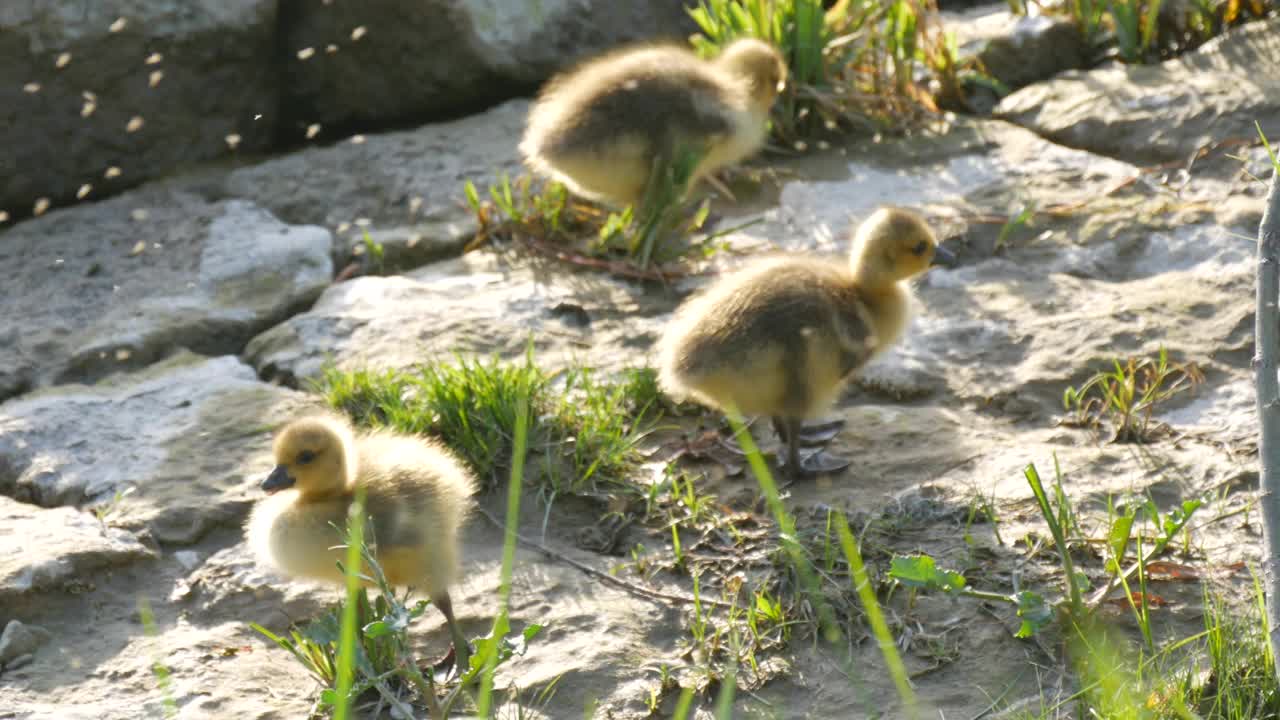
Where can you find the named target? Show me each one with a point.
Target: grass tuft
(1126, 397)
(587, 428)
(856, 65)
(543, 218)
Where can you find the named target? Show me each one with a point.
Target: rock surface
(73, 76)
(405, 60)
(49, 549)
(1016, 50)
(19, 640)
(396, 186)
(98, 98)
(1109, 261)
(165, 270)
(1160, 113)
(192, 436)
(475, 304)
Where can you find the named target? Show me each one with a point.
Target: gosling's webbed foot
(823, 463)
(815, 465)
(819, 434)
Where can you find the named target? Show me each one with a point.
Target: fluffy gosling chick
(605, 126)
(417, 495)
(783, 335)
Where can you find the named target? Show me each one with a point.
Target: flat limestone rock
(1022, 331)
(408, 182)
(478, 304)
(165, 269)
(44, 549)
(1014, 49)
(190, 435)
(232, 584)
(143, 86)
(1158, 113)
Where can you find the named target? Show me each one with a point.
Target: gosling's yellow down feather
(417, 495)
(602, 127)
(782, 336)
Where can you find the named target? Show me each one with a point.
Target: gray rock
(232, 585)
(188, 559)
(401, 184)
(216, 58)
(165, 270)
(1027, 335)
(1016, 50)
(475, 304)
(1157, 113)
(192, 436)
(20, 662)
(19, 639)
(413, 60)
(44, 549)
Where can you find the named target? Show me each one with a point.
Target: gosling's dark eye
(305, 457)
(920, 247)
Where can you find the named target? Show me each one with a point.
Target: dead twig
(606, 577)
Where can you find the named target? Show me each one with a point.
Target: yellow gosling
(417, 495)
(782, 336)
(602, 128)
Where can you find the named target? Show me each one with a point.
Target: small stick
(631, 587)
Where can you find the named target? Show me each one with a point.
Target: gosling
(606, 126)
(417, 495)
(782, 336)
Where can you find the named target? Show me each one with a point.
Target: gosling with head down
(417, 495)
(604, 127)
(782, 336)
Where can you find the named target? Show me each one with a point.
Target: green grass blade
(158, 668)
(347, 637)
(1275, 163)
(1059, 538)
(875, 617)
(684, 705)
(786, 527)
(514, 486)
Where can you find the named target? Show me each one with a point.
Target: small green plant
(546, 219)
(1127, 396)
(1060, 522)
(532, 211)
(1014, 222)
(375, 252)
(105, 510)
(921, 572)
(163, 676)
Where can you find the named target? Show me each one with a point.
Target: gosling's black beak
(279, 479)
(943, 257)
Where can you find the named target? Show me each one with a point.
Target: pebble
(19, 639)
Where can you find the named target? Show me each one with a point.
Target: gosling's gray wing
(396, 520)
(856, 337)
(661, 109)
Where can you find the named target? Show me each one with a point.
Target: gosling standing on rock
(605, 126)
(782, 336)
(417, 495)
